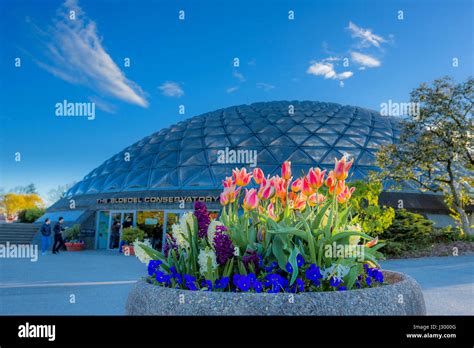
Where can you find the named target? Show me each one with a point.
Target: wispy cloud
(171, 89)
(239, 76)
(365, 60)
(74, 53)
(365, 36)
(327, 70)
(232, 89)
(265, 86)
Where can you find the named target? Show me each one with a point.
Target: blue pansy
(342, 288)
(222, 283)
(368, 280)
(257, 286)
(313, 273)
(153, 265)
(162, 277)
(300, 260)
(334, 281)
(207, 284)
(272, 266)
(289, 267)
(300, 285)
(243, 283)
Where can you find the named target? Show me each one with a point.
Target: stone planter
(402, 296)
(74, 246)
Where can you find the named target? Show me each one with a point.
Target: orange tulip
(330, 181)
(241, 177)
(231, 193)
(372, 242)
(286, 170)
(250, 199)
(345, 195)
(341, 168)
(296, 185)
(300, 203)
(315, 199)
(266, 192)
(316, 178)
(258, 176)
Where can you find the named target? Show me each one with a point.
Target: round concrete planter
(402, 296)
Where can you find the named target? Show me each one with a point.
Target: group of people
(46, 235)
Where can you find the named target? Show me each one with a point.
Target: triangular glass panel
(216, 141)
(329, 158)
(187, 172)
(298, 129)
(138, 179)
(329, 138)
(298, 138)
(281, 153)
(265, 157)
(202, 179)
(190, 158)
(192, 143)
(366, 159)
(316, 153)
(282, 141)
(144, 161)
(115, 182)
(251, 141)
(299, 157)
(165, 179)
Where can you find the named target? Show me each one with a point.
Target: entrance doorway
(110, 225)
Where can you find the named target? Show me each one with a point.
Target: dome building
(150, 183)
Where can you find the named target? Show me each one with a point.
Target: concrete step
(19, 233)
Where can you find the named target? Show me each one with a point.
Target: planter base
(402, 296)
(74, 246)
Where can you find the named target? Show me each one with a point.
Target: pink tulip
(316, 178)
(229, 181)
(266, 192)
(241, 177)
(271, 211)
(258, 176)
(224, 199)
(305, 188)
(346, 194)
(341, 168)
(250, 200)
(300, 203)
(286, 170)
(315, 199)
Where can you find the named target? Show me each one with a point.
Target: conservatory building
(150, 183)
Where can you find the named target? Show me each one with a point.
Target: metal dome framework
(185, 156)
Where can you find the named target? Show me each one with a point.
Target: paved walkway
(99, 282)
(447, 282)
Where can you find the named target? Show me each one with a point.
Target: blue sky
(190, 63)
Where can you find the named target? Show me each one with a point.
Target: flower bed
(280, 236)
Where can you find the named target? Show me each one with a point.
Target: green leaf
(290, 230)
(279, 253)
(352, 275)
(317, 220)
(294, 264)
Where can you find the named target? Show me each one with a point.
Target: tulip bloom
(330, 181)
(315, 199)
(372, 242)
(341, 168)
(280, 187)
(271, 211)
(316, 178)
(286, 170)
(340, 186)
(241, 177)
(266, 192)
(250, 200)
(300, 203)
(224, 198)
(231, 193)
(229, 181)
(345, 195)
(296, 185)
(258, 176)
(305, 188)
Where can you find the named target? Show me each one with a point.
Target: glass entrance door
(118, 221)
(103, 220)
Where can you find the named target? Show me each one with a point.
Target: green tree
(435, 149)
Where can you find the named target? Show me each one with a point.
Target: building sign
(173, 199)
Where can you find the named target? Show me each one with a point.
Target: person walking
(115, 235)
(45, 236)
(58, 236)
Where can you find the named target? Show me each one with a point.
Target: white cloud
(75, 54)
(232, 89)
(366, 37)
(171, 89)
(365, 60)
(327, 71)
(265, 86)
(239, 76)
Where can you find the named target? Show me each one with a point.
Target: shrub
(373, 218)
(131, 234)
(30, 215)
(72, 234)
(409, 231)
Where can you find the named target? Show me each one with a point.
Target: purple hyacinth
(252, 257)
(202, 216)
(223, 246)
(170, 243)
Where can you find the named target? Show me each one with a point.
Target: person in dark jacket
(45, 236)
(115, 234)
(58, 236)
